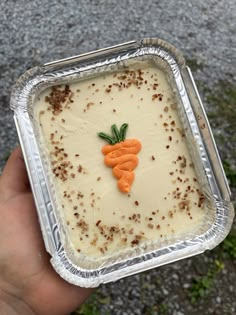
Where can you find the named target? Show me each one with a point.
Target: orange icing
(122, 157)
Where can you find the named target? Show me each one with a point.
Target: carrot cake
(119, 161)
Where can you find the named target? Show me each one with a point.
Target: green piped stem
(117, 135)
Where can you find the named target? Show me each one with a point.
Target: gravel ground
(35, 32)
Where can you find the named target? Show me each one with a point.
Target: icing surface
(164, 199)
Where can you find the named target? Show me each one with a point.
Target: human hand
(28, 283)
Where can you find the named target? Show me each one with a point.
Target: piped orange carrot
(120, 154)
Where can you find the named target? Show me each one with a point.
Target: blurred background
(38, 31)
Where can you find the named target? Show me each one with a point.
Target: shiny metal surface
(200, 142)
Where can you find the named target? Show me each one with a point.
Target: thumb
(14, 179)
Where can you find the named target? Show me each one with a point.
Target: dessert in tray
(123, 166)
(118, 159)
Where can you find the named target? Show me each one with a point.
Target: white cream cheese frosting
(164, 198)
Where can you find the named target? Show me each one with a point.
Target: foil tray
(200, 142)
